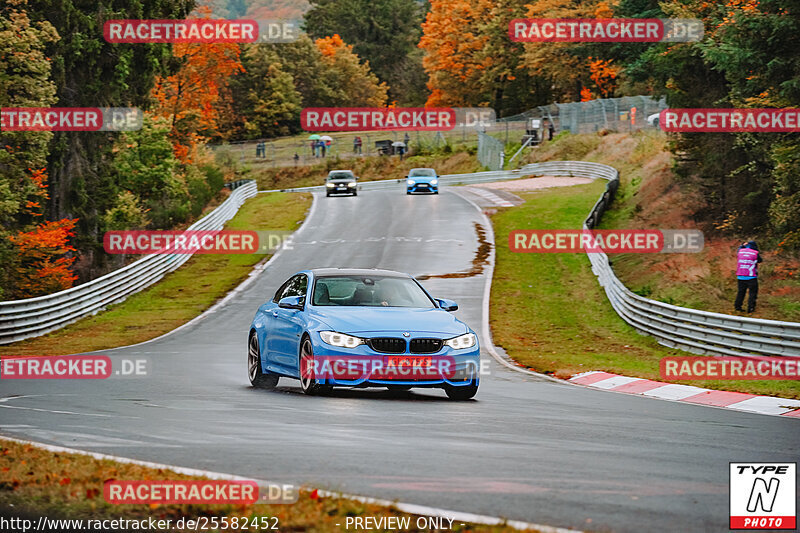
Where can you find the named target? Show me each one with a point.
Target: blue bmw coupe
(361, 328)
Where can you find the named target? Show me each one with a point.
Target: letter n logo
(763, 495)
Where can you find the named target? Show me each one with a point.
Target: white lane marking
(616, 381)
(94, 441)
(674, 392)
(766, 405)
(490, 197)
(54, 411)
(405, 507)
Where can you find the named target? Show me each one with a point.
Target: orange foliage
(39, 179)
(452, 40)
(328, 46)
(43, 266)
(603, 75)
(192, 97)
(586, 94)
(603, 11)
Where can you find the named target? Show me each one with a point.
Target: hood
(360, 320)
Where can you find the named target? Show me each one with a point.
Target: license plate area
(409, 361)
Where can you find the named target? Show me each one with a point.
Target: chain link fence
(491, 151)
(629, 113)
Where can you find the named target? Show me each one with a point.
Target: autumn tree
(265, 100)
(191, 98)
(43, 265)
(349, 81)
(32, 257)
(383, 33)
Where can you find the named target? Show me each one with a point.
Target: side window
(280, 290)
(296, 286)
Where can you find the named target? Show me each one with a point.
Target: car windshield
(366, 291)
(341, 176)
(422, 173)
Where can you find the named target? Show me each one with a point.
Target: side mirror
(291, 302)
(447, 305)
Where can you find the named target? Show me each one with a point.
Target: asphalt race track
(525, 448)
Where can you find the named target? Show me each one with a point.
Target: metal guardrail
(692, 330)
(31, 317)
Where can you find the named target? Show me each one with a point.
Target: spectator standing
(748, 258)
(357, 145)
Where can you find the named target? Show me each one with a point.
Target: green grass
(550, 314)
(179, 296)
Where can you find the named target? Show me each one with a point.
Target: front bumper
(422, 187)
(369, 368)
(340, 188)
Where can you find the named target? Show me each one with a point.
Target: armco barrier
(22, 319)
(695, 331)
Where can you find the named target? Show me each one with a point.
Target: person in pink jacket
(747, 262)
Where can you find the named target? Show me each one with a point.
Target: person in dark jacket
(747, 262)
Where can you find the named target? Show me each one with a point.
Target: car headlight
(340, 339)
(467, 340)
(330, 185)
(411, 182)
(434, 182)
(351, 184)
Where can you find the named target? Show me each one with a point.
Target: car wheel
(328, 194)
(461, 393)
(306, 366)
(408, 192)
(355, 193)
(257, 376)
(435, 192)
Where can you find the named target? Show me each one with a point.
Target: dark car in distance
(341, 182)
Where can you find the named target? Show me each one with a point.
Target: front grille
(387, 344)
(426, 345)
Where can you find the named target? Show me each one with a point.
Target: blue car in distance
(361, 328)
(422, 180)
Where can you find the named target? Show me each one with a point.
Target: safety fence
(22, 319)
(491, 152)
(692, 330)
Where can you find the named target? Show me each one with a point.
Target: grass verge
(179, 296)
(37, 482)
(650, 196)
(550, 314)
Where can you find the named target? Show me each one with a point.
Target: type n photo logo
(763, 496)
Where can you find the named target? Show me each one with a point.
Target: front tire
(258, 378)
(306, 370)
(461, 393)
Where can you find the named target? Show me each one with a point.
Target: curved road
(525, 449)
